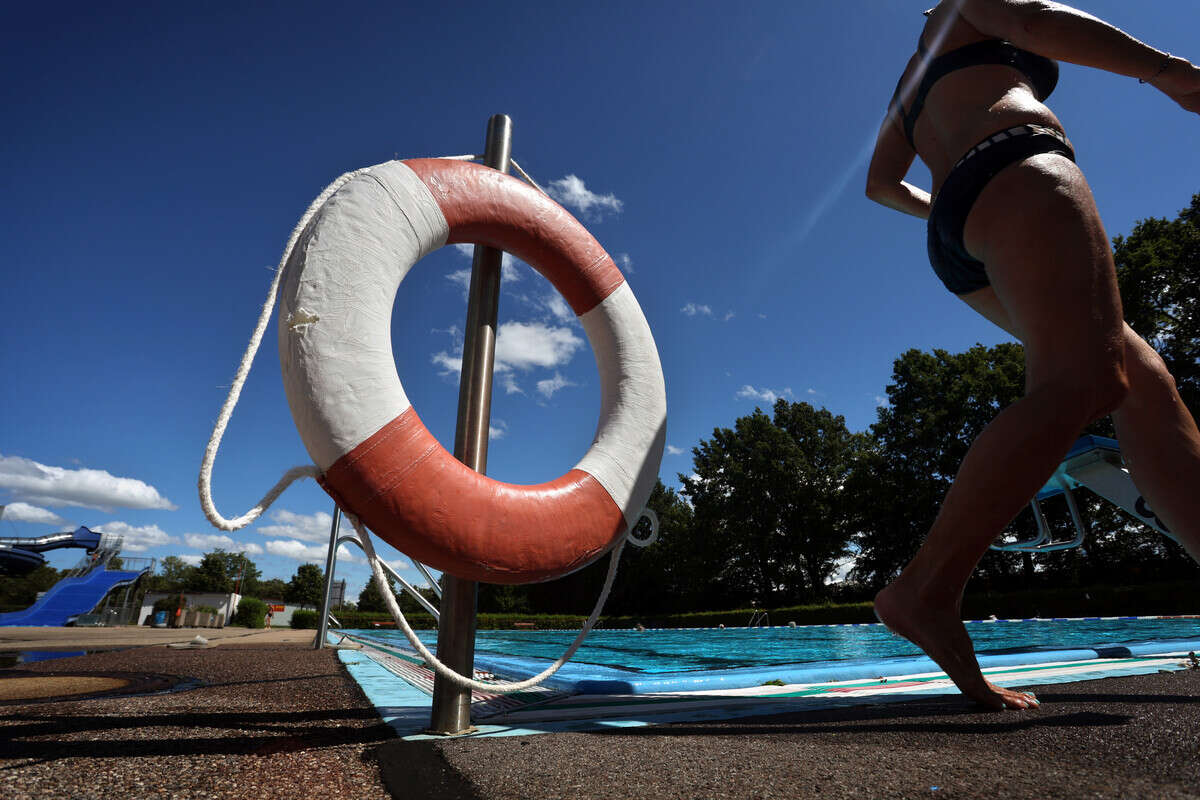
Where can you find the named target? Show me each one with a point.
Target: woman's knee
(1088, 392)
(1149, 378)
(1111, 388)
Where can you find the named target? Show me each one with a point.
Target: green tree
(770, 515)
(1158, 270)
(224, 572)
(307, 586)
(937, 404)
(661, 578)
(20, 591)
(272, 588)
(173, 575)
(370, 598)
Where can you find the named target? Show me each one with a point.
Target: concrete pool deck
(264, 716)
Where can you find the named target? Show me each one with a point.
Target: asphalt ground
(264, 716)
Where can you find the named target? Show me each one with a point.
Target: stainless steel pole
(451, 712)
(330, 563)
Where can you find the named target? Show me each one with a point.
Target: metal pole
(330, 562)
(451, 712)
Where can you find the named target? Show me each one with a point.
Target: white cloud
(208, 541)
(137, 537)
(217, 541)
(314, 554)
(524, 345)
(551, 385)
(497, 429)
(764, 394)
(571, 191)
(841, 569)
(728, 316)
(880, 400)
(309, 527)
(624, 262)
(87, 488)
(509, 382)
(672, 450)
(508, 267)
(191, 559)
(692, 309)
(449, 365)
(462, 277)
(559, 309)
(23, 512)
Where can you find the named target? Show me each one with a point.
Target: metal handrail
(1043, 542)
(335, 541)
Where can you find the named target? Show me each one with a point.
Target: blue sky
(156, 157)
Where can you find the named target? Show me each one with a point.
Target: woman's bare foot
(942, 635)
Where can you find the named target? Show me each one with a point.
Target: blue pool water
(706, 649)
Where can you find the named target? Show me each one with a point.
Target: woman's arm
(885, 177)
(1064, 33)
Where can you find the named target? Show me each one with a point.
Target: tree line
(222, 572)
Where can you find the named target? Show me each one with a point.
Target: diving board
(1093, 462)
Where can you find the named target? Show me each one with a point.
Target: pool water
(704, 649)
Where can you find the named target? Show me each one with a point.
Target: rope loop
(204, 483)
(645, 541)
(462, 681)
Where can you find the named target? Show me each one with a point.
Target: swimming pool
(699, 658)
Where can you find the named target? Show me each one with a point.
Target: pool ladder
(1093, 462)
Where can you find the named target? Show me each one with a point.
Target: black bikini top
(1041, 71)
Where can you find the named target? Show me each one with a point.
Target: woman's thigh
(1036, 228)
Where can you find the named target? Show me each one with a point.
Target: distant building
(225, 604)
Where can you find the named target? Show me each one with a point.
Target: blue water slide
(71, 597)
(21, 555)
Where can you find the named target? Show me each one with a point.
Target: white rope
(512, 161)
(214, 442)
(525, 175)
(449, 674)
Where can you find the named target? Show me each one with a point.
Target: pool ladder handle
(1100, 470)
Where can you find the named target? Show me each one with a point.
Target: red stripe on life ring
(485, 206)
(416, 496)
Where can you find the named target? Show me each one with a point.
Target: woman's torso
(966, 105)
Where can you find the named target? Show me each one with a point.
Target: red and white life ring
(377, 459)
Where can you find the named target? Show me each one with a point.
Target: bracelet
(1166, 63)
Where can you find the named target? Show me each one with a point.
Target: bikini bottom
(959, 271)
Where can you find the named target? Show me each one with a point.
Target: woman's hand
(1180, 81)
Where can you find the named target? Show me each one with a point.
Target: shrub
(251, 613)
(305, 618)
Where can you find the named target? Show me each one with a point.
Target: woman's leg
(1160, 443)
(1037, 228)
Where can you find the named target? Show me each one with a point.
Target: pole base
(463, 732)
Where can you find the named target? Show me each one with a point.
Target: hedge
(305, 618)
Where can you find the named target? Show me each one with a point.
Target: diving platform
(1093, 462)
